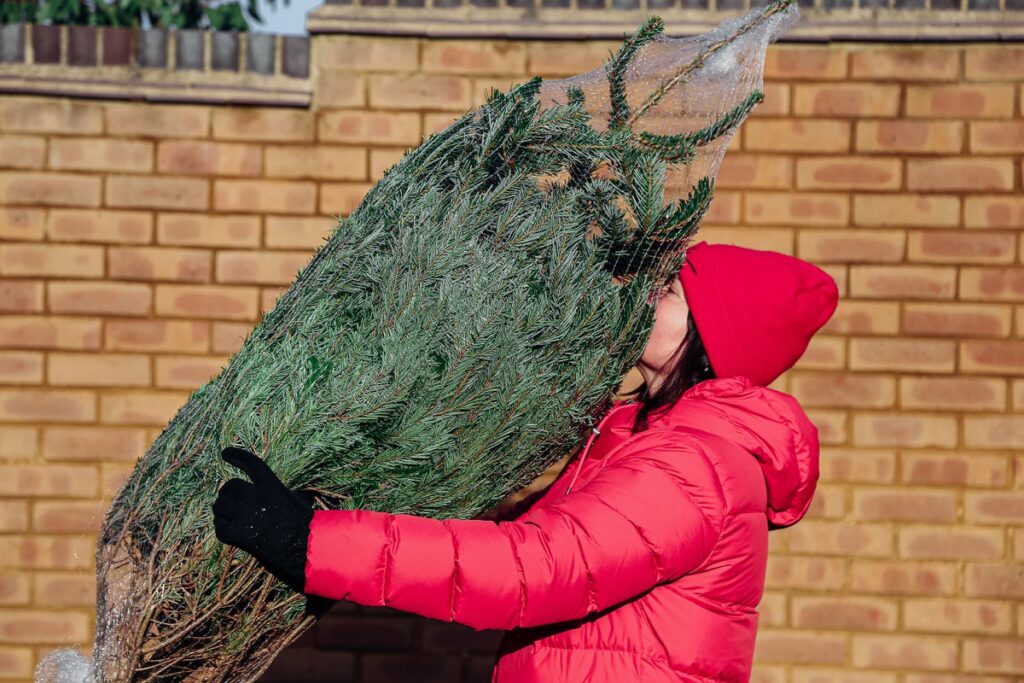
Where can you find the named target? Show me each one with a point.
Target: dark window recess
(190, 52)
(46, 43)
(117, 45)
(12, 43)
(224, 51)
(295, 56)
(82, 45)
(153, 48)
(260, 57)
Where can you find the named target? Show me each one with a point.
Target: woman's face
(669, 326)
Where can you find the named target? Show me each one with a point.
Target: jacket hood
(771, 426)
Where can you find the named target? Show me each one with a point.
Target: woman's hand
(264, 518)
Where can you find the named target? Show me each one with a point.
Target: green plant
(201, 14)
(456, 335)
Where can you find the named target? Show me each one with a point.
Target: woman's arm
(652, 515)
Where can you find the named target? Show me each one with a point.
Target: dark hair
(690, 359)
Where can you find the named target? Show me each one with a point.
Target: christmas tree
(454, 337)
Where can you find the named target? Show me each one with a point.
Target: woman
(645, 560)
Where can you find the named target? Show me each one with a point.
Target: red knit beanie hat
(755, 310)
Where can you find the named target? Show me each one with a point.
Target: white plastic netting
(683, 86)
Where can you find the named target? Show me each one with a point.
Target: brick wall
(139, 242)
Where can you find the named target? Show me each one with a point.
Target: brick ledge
(575, 24)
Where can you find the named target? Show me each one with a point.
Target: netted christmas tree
(453, 338)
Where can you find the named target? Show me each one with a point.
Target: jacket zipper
(595, 431)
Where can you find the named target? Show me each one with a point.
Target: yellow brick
(263, 125)
(992, 284)
(264, 196)
(140, 407)
(381, 160)
(22, 151)
(21, 223)
(920, 282)
(202, 157)
(260, 268)
(352, 53)
(99, 370)
(755, 171)
(960, 101)
(816, 537)
(298, 232)
(91, 443)
(800, 62)
(960, 174)
(797, 135)
(997, 137)
(202, 301)
(47, 405)
(954, 246)
(910, 63)
(1002, 357)
(482, 87)
(158, 120)
(99, 225)
(421, 91)
(158, 192)
(39, 626)
(906, 210)
(187, 372)
(846, 99)
(159, 263)
(993, 62)
(101, 154)
(177, 336)
(21, 367)
(330, 162)
(994, 211)
(990, 655)
(49, 332)
(793, 208)
(848, 173)
(902, 355)
(956, 319)
(205, 230)
(864, 317)
(459, 56)
(49, 189)
(367, 127)
(18, 442)
(21, 296)
(51, 260)
(76, 517)
(906, 430)
(554, 59)
(43, 115)
(952, 393)
(848, 246)
(905, 135)
(342, 198)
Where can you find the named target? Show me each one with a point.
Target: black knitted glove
(265, 518)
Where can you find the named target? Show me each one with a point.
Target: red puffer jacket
(650, 569)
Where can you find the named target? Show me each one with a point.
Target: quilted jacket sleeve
(650, 516)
